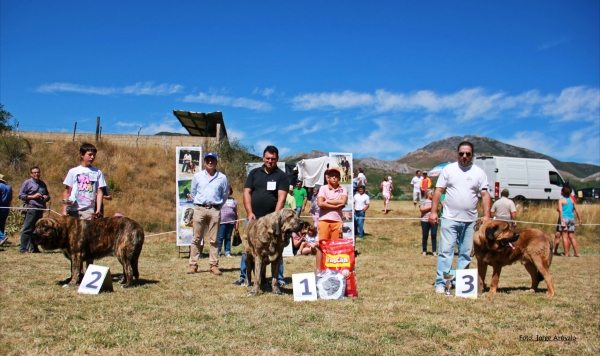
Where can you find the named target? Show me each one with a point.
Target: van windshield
(555, 179)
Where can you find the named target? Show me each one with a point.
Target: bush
(13, 151)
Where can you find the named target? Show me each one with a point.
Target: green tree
(5, 117)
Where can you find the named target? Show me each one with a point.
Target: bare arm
(248, 204)
(99, 198)
(433, 216)
(577, 213)
(513, 215)
(281, 195)
(65, 196)
(486, 201)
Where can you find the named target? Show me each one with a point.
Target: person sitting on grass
(310, 243)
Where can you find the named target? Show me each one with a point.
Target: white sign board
(343, 162)
(188, 162)
(96, 278)
(305, 287)
(466, 283)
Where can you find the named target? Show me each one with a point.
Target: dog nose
(516, 235)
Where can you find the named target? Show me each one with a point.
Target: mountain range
(444, 150)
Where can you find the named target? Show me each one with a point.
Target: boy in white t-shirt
(83, 193)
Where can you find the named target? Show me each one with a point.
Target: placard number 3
(470, 280)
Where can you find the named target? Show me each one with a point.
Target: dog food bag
(338, 255)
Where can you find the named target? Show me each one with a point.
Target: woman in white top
(386, 189)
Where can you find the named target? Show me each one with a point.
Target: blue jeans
(298, 210)
(3, 217)
(225, 231)
(451, 233)
(425, 227)
(243, 268)
(359, 219)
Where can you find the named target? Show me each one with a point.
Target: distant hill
(444, 150)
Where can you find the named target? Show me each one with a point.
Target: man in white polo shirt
(416, 184)
(361, 204)
(462, 181)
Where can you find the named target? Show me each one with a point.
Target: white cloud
(211, 98)
(385, 139)
(150, 128)
(235, 134)
(137, 89)
(574, 103)
(267, 92)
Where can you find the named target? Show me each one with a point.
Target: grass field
(396, 313)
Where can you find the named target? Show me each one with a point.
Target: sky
(377, 79)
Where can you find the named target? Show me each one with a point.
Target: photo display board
(188, 162)
(343, 162)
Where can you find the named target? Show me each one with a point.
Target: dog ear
(490, 232)
(276, 227)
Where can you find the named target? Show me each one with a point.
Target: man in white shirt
(361, 204)
(462, 181)
(416, 184)
(505, 209)
(209, 190)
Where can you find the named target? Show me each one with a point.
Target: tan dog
(497, 244)
(264, 241)
(82, 240)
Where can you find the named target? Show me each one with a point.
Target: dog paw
(66, 286)
(251, 294)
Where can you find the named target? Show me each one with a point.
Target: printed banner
(343, 162)
(188, 162)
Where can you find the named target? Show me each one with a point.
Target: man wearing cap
(5, 200)
(504, 209)
(265, 191)
(209, 191)
(35, 193)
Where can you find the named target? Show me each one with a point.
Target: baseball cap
(334, 169)
(424, 172)
(210, 154)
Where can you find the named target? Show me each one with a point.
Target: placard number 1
(305, 286)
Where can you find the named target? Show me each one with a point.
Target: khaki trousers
(206, 224)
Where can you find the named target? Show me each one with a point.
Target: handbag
(237, 240)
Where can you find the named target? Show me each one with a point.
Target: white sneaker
(440, 290)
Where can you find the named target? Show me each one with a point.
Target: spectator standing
(504, 209)
(35, 193)
(361, 204)
(5, 200)
(362, 179)
(300, 195)
(558, 234)
(425, 184)
(209, 190)
(462, 181)
(314, 206)
(566, 213)
(386, 189)
(264, 192)
(332, 199)
(416, 184)
(229, 222)
(426, 226)
(290, 201)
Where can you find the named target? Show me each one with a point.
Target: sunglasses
(468, 154)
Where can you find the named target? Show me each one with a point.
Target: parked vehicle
(525, 178)
(588, 195)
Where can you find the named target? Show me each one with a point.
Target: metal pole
(97, 127)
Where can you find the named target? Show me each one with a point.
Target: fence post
(97, 127)
(165, 142)
(74, 130)
(138, 137)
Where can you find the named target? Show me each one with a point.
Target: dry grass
(397, 311)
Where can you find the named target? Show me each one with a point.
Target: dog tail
(539, 275)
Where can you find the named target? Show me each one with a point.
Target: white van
(525, 178)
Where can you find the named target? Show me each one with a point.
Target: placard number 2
(91, 284)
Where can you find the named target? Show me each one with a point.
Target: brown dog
(497, 244)
(264, 241)
(82, 240)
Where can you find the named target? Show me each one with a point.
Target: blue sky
(378, 79)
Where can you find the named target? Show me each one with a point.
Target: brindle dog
(264, 241)
(82, 240)
(497, 244)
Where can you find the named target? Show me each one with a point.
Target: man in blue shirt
(209, 191)
(5, 200)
